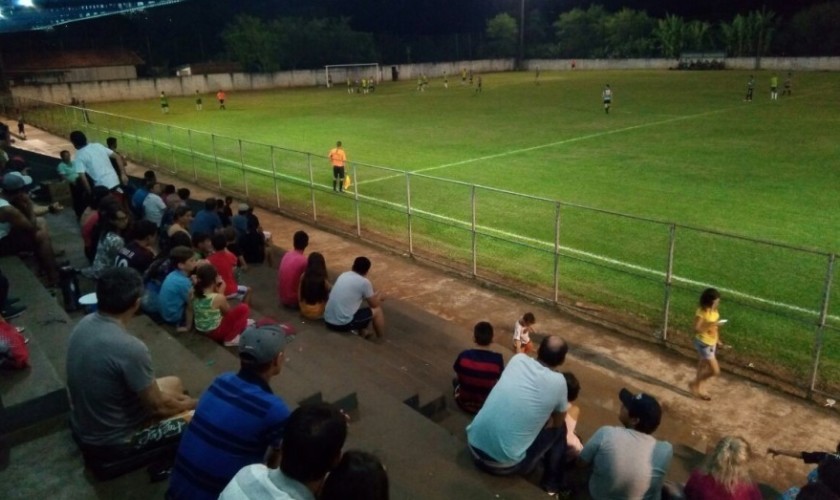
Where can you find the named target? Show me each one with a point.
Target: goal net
(338, 74)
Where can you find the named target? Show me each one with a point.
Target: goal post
(340, 73)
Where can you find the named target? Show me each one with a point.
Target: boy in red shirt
(225, 262)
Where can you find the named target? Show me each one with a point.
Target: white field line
(500, 232)
(586, 137)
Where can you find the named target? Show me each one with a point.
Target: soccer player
(750, 87)
(537, 75)
(774, 85)
(478, 85)
(220, 96)
(463, 76)
(606, 95)
(337, 158)
(787, 90)
(164, 103)
(445, 80)
(198, 104)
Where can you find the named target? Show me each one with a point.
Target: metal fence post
(312, 187)
(172, 149)
(356, 203)
(242, 166)
(216, 160)
(818, 339)
(137, 139)
(556, 252)
(154, 147)
(474, 236)
(192, 155)
(669, 274)
(274, 176)
(408, 213)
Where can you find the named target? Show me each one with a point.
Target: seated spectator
(212, 314)
(522, 331)
(68, 172)
(115, 399)
(220, 211)
(108, 234)
(9, 307)
(202, 245)
(234, 248)
(254, 245)
(240, 220)
(344, 313)
(627, 462)
(311, 447)
(141, 249)
(573, 444)
(724, 475)
(206, 221)
(314, 288)
(226, 434)
(225, 263)
(181, 219)
(477, 370)
(176, 291)
(156, 274)
(815, 491)
(140, 194)
(21, 232)
(509, 435)
(184, 196)
(14, 354)
(290, 270)
(170, 197)
(359, 476)
(227, 211)
(153, 205)
(808, 457)
(90, 218)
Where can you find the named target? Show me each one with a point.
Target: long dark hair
(313, 288)
(205, 277)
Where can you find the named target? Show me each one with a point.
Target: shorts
(704, 350)
(18, 241)
(241, 290)
(360, 321)
(338, 172)
(526, 348)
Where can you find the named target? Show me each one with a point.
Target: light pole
(521, 34)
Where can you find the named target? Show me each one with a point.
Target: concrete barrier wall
(149, 88)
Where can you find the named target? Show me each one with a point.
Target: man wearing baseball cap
(238, 422)
(627, 462)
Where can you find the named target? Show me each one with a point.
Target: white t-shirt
(95, 160)
(258, 482)
(517, 409)
(521, 333)
(626, 464)
(153, 208)
(5, 227)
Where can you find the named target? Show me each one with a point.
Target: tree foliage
(628, 33)
(670, 33)
(502, 35)
(814, 31)
(580, 33)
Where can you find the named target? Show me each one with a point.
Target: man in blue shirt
(238, 422)
(206, 221)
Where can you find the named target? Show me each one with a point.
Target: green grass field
(677, 147)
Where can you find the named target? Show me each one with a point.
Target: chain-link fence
(641, 274)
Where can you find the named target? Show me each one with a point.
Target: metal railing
(640, 273)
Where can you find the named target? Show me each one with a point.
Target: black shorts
(338, 172)
(360, 321)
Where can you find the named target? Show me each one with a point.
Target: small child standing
(522, 330)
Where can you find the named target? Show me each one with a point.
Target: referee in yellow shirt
(337, 158)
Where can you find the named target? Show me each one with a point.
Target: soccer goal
(340, 73)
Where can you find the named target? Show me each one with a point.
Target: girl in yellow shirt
(706, 341)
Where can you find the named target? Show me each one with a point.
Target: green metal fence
(783, 323)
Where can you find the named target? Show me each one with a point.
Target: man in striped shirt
(477, 370)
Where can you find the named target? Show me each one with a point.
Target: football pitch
(676, 147)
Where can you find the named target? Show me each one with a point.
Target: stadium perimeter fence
(639, 275)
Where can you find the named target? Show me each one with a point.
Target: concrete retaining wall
(149, 88)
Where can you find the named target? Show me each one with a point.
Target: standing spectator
(220, 96)
(211, 311)
(337, 158)
(627, 462)
(290, 270)
(706, 341)
(21, 124)
(108, 235)
(225, 263)
(227, 433)
(311, 447)
(522, 331)
(153, 205)
(176, 290)
(94, 159)
(111, 142)
(68, 172)
(344, 312)
(724, 475)
(140, 251)
(206, 221)
(359, 476)
(314, 287)
(113, 390)
(510, 435)
(477, 370)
